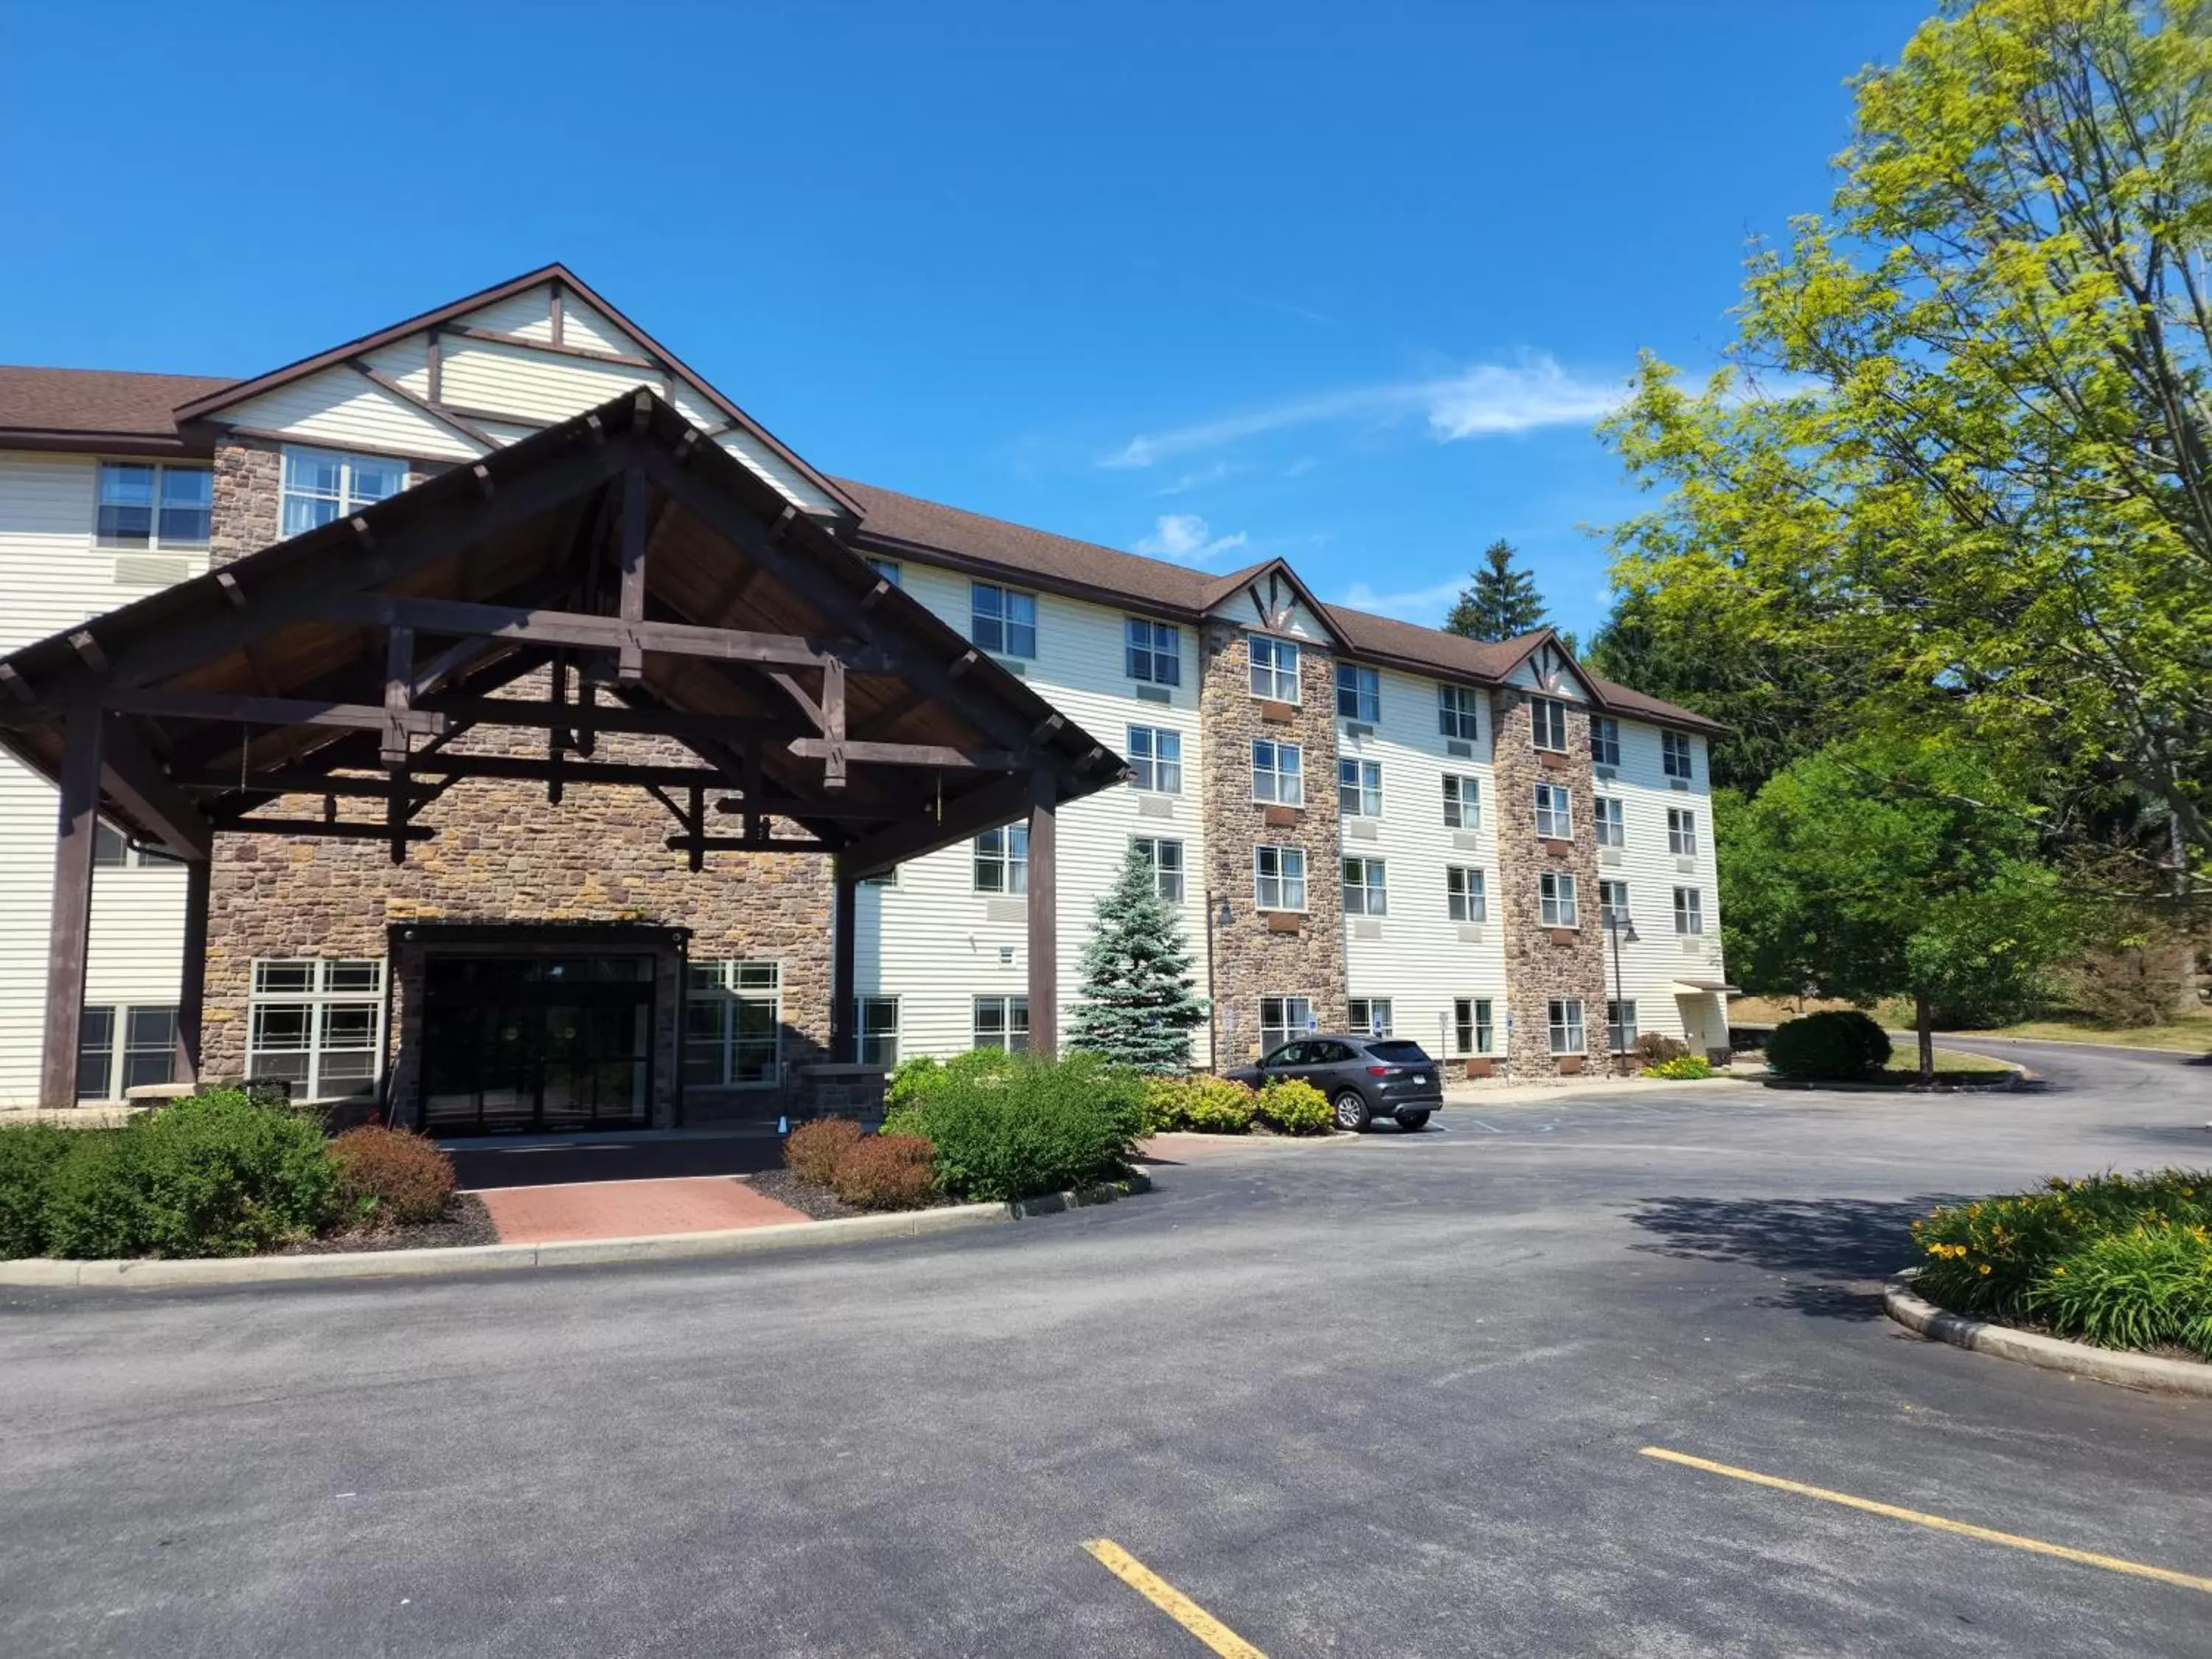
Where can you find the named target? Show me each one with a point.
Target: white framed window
(876, 1025)
(1471, 1032)
(1681, 832)
(1555, 812)
(1279, 877)
(147, 506)
(1370, 1016)
(1612, 903)
(1620, 1026)
(1555, 892)
(1566, 1022)
(1152, 651)
(1273, 666)
(1359, 693)
(1674, 754)
(1166, 857)
(1002, 1023)
(317, 1024)
(1366, 893)
(1462, 802)
(1605, 740)
(1611, 827)
(1359, 788)
(888, 569)
(1277, 772)
(1002, 620)
(112, 850)
(1002, 860)
(1282, 1019)
(1465, 893)
(1689, 911)
(323, 484)
(1548, 724)
(734, 1026)
(1456, 712)
(1155, 760)
(119, 1048)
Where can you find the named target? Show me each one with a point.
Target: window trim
(1683, 831)
(1153, 857)
(1281, 878)
(1564, 1015)
(348, 499)
(1005, 620)
(1620, 1036)
(1472, 895)
(1362, 795)
(1609, 820)
(1606, 909)
(1006, 1010)
(1459, 711)
(318, 1000)
(1285, 1031)
(1562, 906)
(1276, 747)
(1012, 859)
(1673, 742)
(728, 997)
(1605, 740)
(1366, 690)
(863, 1036)
(1476, 1036)
(1150, 655)
(1553, 710)
(1462, 801)
(1275, 669)
(1374, 885)
(1352, 1022)
(155, 542)
(1561, 815)
(1690, 912)
(1153, 760)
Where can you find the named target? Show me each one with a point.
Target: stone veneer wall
(246, 513)
(1250, 960)
(1537, 969)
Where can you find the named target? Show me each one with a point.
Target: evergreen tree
(1500, 603)
(1138, 1005)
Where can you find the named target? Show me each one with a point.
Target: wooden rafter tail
(399, 694)
(630, 663)
(833, 724)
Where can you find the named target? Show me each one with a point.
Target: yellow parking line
(1170, 1600)
(2111, 1563)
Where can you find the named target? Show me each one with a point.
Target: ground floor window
(317, 1026)
(876, 1023)
(734, 1026)
(1567, 1025)
(1471, 1027)
(1620, 1026)
(1371, 1015)
(1002, 1023)
(1282, 1019)
(122, 1048)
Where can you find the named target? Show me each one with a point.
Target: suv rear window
(1399, 1054)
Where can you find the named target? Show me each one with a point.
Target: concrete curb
(2020, 1078)
(2130, 1370)
(156, 1274)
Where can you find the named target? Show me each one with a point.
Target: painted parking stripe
(1964, 1529)
(1170, 1600)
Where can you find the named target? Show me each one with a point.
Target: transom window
(1156, 759)
(1681, 832)
(1674, 754)
(1153, 651)
(1555, 812)
(1472, 1030)
(322, 485)
(734, 1026)
(1457, 715)
(1612, 828)
(1277, 772)
(1282, 1019)
(146, 505)
(1689, 911)
(1002, 860)
(1365, 891)
(108, 1069)
(1463, 803)
(1002, 1023)
(1548, 724)
(317, 1026)
(1465, 893)
(1002, 620)
(1279, 877)
(1612, 903)
(1359, 693)
(1605, 740)
(1369, 1014)
(1555, 891)
(1359, 788)
(1620, 1026)
(1566, 1022)
(876, 1023)
(1166, 857)
(1274, 667)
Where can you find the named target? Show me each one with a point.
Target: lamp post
(1617, 923)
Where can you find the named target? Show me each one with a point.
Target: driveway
(1388, 1396)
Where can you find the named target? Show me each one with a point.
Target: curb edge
(2130, 1370)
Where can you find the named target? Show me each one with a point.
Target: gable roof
(110, 409)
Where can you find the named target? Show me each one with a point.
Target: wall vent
(1454, 747)
(1361, 829)
(1683, 784)
(1469, 839)
(1153, 694)
(149, 570)
(1155, 806)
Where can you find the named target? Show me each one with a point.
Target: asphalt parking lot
(1395, 1396)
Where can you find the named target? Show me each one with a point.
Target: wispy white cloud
(1426, 605)
(1187, 539)
(1485, 400)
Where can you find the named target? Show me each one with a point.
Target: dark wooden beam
(68, 931)
(844, 984)
(939, 755)
(556, 314)
(240, 709)
(325, 830)
(444, 416)
(433, 350)
(1006, 800)
(560, 349)
(191, 982)
(630, 560)
(833, 754)
(739, 844)
(135, 781)
(398, 693)
(1044, 917)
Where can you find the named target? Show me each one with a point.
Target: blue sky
(1347, 284)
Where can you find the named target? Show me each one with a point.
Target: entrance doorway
(519, 1044)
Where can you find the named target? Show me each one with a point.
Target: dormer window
(1274, 667)
(1548, 724)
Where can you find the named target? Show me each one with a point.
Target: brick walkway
(630, 1209)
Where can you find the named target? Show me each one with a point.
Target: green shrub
(1218, 1106)
(391, 1176)
(1015, 1127)
(2149, 1286)
(1681, 1067)
(1292, 1106)
(810, 1151)
(29, 1155)
(885, 1172)
(1839, 1045)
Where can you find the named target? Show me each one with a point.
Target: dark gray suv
(1364, 1077)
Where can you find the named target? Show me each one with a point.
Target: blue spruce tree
(1138, 1005)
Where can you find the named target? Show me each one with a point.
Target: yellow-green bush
(1292, 1106)
(1205, 1105)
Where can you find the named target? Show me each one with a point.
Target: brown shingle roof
(59, 404)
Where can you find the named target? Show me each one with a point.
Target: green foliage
(1202, 1105)
(883, 1172)
(1292, 1106)
(1840, 1045)
(30, 1153)
(391, 1176)
(810, 1151)
(1025, 1126)
(1138, 1005)
(1500, 602)
(2149, 1286)
(1682, 1068)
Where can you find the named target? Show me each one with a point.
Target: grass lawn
(1951, 1066)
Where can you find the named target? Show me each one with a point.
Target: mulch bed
(815, 1200)
(465, 1222)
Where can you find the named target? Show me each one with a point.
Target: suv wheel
(1351, 1110)
(1411, 1121)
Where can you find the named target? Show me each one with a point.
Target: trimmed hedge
(811, 1152)
(391, 1177)
(1841, 1045)
(1009, 1125)
(1204, 1105)
(885, 1172)
(1292, 1106)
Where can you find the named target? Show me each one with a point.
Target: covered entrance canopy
(652, 585)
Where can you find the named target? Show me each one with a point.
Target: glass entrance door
(515, 1044)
